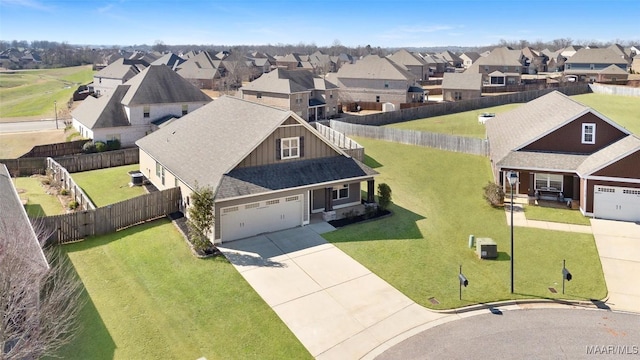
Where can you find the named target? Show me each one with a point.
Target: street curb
(490, 305)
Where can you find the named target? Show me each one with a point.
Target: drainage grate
(553, 290)
(434, 301)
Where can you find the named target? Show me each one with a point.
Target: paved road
(22, 126)
(526, 334)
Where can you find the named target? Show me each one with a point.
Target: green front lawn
(566, 216)
(437, 204)
(463, 124)
(39, 203)
(149, 298)
(108, 186)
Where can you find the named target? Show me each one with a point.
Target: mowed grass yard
(437, 204)
(39, 203)
(14, 145)
(108, 186)
(150, 298)
(29, 93)
(623, 110)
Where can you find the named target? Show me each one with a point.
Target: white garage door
(250, 219)
(616, 203)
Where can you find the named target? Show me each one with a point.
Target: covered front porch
(341, 200)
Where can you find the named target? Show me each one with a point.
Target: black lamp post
(512, 176)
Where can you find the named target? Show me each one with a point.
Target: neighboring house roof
(501, 56)
(596, 56)
(205, 146)
(471, 55)
(515, 129)
(122, 69)
(15, 222)
(462, 81)
(199, 66)
(612, 70)
(282, 81)
(104, 112)
(406, 58)
(375, 67)
(450, 57)
(171, 60)
(158, 84)
(610, 154)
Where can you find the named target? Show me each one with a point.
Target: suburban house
(534, 61)
(116, 73)
(555, 62)
(469, 58)
(268, 168)
(635, 64)
(461, 86)
(376, 79)
(587, 64)
(563, 150)
(203, 71)
(322, 63)
(171, 60)
(293, 61)
(571, 50)
(437, 66)
(309, 96)
(136, 108)
(452, 59)
(415, 64)
(503, 66)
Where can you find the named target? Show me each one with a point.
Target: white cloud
(32, 4)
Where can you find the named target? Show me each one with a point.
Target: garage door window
(545, 181)
(341, 193)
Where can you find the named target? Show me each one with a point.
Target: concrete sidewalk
(519, 219)
(336, 307)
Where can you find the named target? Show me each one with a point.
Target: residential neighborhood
(423, 190)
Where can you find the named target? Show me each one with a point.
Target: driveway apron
(618, 244)
(336, 307)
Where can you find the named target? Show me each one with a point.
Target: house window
(175, 182)
(377, 98)
(99, 80)
(386, 84)
(548, 181)
(290, 148)
(299, 99)
(341, 193)
(158, 169)
(146, 110)
(486, 69)
(457, 95)
(259, 96)
(592, 67)
(162, 175)
(185, 109)
(588, 133)
(330, 94)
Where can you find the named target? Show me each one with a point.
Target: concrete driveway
(336, 307)
(618, 244)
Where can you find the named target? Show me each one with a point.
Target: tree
(38, 304)
(159, 46)
(201, 218)
(384, 196)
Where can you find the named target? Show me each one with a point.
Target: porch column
(370, 191)
(532, 185)
(328, 199)
(576, 188)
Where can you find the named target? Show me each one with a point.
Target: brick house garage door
(616, 203)
(250, 219)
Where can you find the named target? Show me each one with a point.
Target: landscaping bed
(359, 218)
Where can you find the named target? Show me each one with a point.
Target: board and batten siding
(265, 153)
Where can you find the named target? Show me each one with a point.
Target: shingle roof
(511, 130)
(267, 178)
(612, 70)
(158, 84)
(14, 221)
(406, 58)
(462, 81)
(537, 160)
(596, 56)
(122, 69)
(375, 67)
(282, 81)
(610, 154)
(171, 60)
(199, 66)
(501, 56)
(207, 143)
(104, 112)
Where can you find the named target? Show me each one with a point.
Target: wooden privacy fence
(55, 150)
(111, 218)
(102, 160)
(62, 177)
(439, 141)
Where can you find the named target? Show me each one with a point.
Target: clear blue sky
(351, 22)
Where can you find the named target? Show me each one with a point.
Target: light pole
(512, 176)
(55, 109)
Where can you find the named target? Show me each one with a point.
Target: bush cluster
(101, 146)
(494, 194)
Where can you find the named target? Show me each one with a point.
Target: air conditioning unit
(486, 248)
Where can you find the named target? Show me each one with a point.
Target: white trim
(530, 169)
(607, 178)
(337, 190)
(290, 148)
(535, 180)
(613, 161)
(593, 133)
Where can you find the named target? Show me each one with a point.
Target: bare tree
(39, 303)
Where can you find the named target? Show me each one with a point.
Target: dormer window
(146, 110)
(259, 96)
(588, 133)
